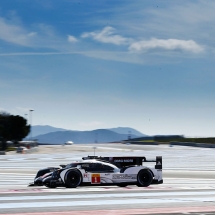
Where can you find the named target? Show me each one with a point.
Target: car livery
(94, 170)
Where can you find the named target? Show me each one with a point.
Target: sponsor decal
(85, 175)
(123, 160)
(95, 178)
(124, 176)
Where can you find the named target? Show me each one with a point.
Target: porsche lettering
(123, 160)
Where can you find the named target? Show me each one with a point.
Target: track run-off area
(188, 188)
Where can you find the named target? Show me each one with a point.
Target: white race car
(93, 170)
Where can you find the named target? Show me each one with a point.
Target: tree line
(12, 128)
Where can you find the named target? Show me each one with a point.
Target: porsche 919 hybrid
(94, 170)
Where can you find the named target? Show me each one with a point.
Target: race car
(94, 170)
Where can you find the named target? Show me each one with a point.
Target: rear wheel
(73, 179)
(144, 178)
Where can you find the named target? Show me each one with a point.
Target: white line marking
(111, 195)
(101, 202)
(17, 174)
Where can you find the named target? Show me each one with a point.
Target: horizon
(84, 65)
(128, 131)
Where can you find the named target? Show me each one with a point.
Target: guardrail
(203, 145)
(140, 142)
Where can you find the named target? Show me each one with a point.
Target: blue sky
(84, 65)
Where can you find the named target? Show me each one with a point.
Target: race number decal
(95, 178)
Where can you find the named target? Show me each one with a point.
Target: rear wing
(127, 161)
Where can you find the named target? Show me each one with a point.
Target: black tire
(73, 179)
(50, 186)
(144, 178)
(49, 183)
(122, 185)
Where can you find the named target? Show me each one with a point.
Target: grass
(9, 149)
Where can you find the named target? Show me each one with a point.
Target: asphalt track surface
(188, 173)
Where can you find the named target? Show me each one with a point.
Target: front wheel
(50, 185)
(73, 179)
(144, 178)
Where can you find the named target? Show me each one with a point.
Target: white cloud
(40, 53)
(44, 29)
(72, 39)
(106, 35)
(32, 34)
(169, 44)
(14, 34)
(39, 35)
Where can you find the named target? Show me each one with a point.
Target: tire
(49, 183)
(73, 179)
(50, 186)
(144, 178)
(122, 185)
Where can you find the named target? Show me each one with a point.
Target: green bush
(11, 149)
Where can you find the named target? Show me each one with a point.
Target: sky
(85, 65)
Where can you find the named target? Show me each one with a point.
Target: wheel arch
(76, 173)
(69, 170)
(65, 171)
(141, 178)
(151, 172)
(149, 169)
(136, 170)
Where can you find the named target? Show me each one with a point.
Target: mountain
(99, 135)
(127, 130)
(44, 129)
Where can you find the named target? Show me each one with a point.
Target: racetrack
(189, 183)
